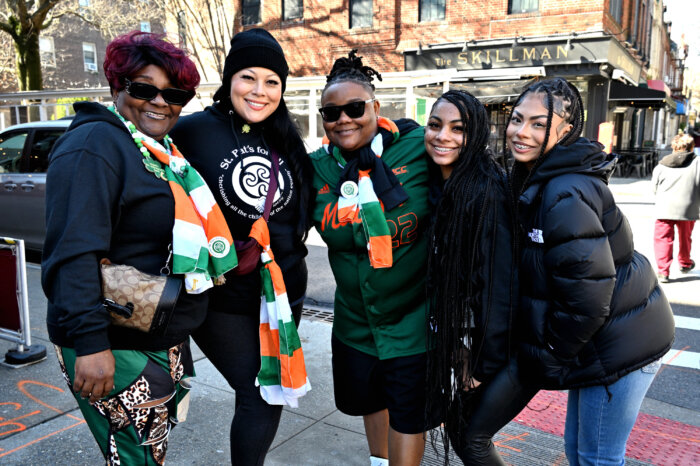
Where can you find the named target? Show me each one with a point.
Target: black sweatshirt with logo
(233, 159)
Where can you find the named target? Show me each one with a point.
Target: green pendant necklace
(151, 165)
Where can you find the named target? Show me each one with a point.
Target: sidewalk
(40, 424)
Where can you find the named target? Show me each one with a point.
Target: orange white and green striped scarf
(282, 377)
(202, 243)
(363, 201)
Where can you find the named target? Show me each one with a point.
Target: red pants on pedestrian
(663, 243)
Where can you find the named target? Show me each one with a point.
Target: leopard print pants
(139, 413)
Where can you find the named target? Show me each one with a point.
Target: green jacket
(381, 312)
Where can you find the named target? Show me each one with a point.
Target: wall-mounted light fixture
(465, 47)
(420, 48)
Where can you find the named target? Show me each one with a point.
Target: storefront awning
(640, 97)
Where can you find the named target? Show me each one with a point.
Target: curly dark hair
(456, 262)
(351, 69)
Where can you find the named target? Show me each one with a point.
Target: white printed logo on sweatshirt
(245, 179)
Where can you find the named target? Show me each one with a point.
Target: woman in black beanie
(232, 143)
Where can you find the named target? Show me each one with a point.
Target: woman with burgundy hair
(110, 195)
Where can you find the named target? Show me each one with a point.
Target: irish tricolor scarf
(362, 200)
(282, 378)
(202, 242)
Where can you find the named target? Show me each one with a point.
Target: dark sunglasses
(146, 91)
(331, 113)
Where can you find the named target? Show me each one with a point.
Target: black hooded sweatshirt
(591, 310)
(101, 202)
(236, 165)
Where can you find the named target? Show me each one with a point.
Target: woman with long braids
(593, 317)
(371, 209)
(234, 144)
(471, 282)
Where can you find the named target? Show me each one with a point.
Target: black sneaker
(688, 269)
(662, 278)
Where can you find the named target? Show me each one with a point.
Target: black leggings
(494, 405)
(232, 344)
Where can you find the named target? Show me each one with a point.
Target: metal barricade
(14, 305)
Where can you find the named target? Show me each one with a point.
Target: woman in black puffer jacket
(593, 316)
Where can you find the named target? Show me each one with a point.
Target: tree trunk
(28, 62)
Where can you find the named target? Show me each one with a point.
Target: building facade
(492, 49)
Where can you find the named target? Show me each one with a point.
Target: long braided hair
(560, 97)
(455, 272)
(351, 69)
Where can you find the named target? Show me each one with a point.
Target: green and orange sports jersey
(381, 312)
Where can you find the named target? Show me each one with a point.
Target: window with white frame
(145, 26)
(89, 57)
(360, 13)
(431, 10)
(292, 9)
(47, 51)
(523, 6)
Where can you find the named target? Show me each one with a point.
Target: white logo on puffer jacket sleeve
(536, 236)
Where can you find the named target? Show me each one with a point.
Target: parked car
(24, 151)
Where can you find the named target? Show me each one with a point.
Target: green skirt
(150, 396)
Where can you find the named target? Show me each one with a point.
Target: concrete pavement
(40, 424)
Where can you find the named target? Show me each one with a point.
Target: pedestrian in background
(232, 144)
(593, 318)
(371, 179)
(472, 283)
(676, 185)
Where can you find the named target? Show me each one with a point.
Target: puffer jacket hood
(591, 308)
(583, 156)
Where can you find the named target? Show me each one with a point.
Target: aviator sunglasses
(144, 91)
(331, 113)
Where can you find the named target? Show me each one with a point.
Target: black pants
(232, 344)
(493, 405)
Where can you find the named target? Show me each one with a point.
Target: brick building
(491, 48)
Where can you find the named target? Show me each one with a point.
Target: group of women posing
(532, 279)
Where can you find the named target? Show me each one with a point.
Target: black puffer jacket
(591, 308)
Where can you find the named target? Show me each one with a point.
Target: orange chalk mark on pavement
(508, 438)
(12, 422)
(40, 439)
(23, 386)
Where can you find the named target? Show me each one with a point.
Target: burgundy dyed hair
(130, 52)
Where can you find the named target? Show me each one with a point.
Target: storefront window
(298, 106)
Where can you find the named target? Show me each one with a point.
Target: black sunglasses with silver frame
(145, 91)
(331, 113)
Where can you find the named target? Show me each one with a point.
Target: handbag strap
(272, 187)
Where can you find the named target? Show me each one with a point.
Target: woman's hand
(470, 384)
(94, 375)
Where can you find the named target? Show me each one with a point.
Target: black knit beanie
(254, 47)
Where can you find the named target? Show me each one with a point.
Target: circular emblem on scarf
(349, 189)
(219, 247)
